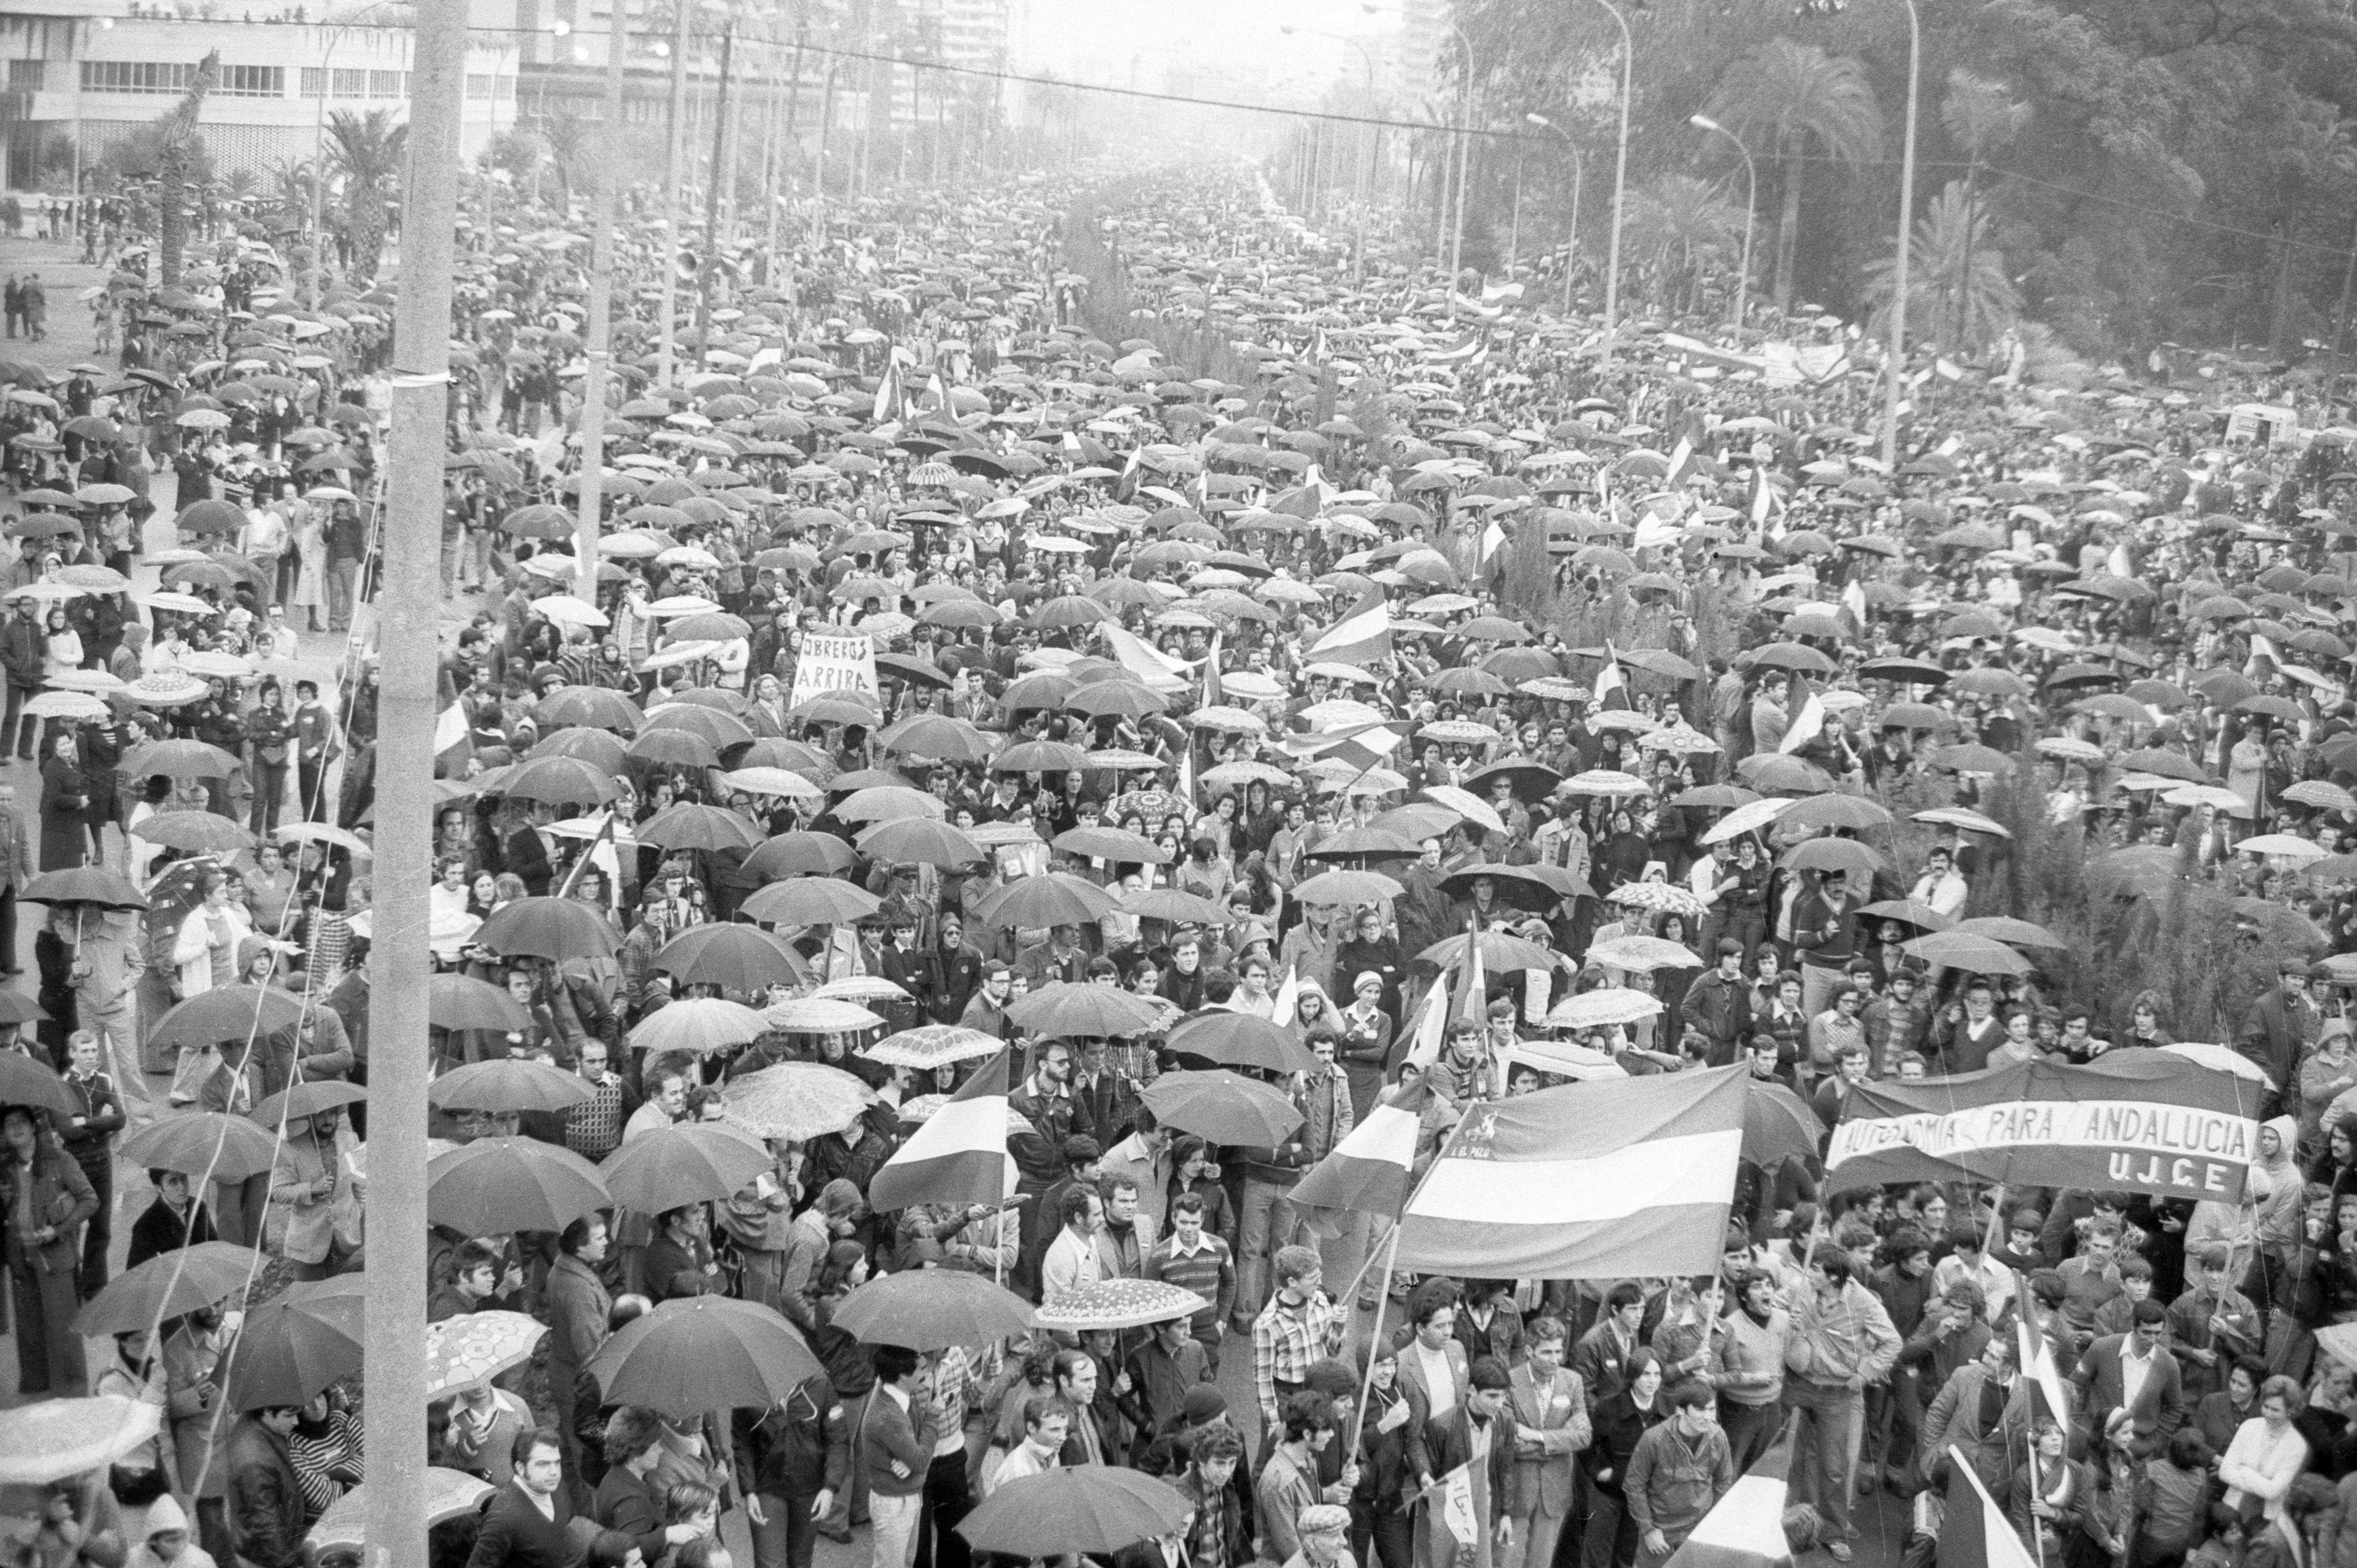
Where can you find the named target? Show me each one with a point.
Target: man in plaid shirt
(1299, 1325)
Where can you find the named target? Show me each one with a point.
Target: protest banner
(825, 665)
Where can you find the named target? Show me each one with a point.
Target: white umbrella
(1745, 820)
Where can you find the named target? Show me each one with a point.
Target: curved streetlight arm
(1578, 176)
(1751, 203)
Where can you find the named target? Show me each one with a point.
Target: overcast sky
(1099, 39)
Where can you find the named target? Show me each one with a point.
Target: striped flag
(1431, 1025)
(2036, 1355)
(1606, 1181)
(1212, 695)
(1369, 1169)
(454, 733)
(1361, 746)
(1472, 983)
(1745, 1529)
(1360, 637)
(1808, 723)
(1142, 658)
(1611, 685)
(959, 1155)
(1974, 1531)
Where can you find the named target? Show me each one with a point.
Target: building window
(479, 85)
(384, 84)
(136, 75)
(253, 82)
(315, 82)
(351, 84)
(25, 75)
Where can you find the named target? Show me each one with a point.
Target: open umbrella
(509, 1083)
(704, 1353)
(50, 1440)
(1222, 1107)
(1118, 1304)
(1961, 949)
(734, 957)
(815, 900)
(193, 1142)
(1646, 953)
(557, 929)
(84, 884)
(476, 1347)
(168, 1285)
(449, 1494)
(1079, 1508)
(227, 1013)
(797, 1101)
(1064, 1011)
(1501, 954)
(462, 1002)
(697, 1025)
(688, 1161)
(920, 841)
(800, 853)
(496, 1185)
(1240, 1040)
(1054, 898)
(306, 1098)
(691, 826)
(932, 1045)
(23, 1081)
(931, 1309)
(311, 1334)
(1777, 1124)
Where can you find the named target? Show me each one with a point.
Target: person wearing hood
(167, 1542)
(2278, 1189)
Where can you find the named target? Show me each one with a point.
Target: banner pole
(1374, 1345)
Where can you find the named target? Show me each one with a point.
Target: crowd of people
(965, 686)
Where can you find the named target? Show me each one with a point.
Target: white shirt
(2134, 1370)
(1439, 1379)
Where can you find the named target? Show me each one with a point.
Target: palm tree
(1682, 222)
(183, 148)
(1798, 96)
(1956, 278)
(1980, 116)
(365, 151)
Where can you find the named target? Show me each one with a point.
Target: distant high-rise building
(974, 32)
(1423, 35)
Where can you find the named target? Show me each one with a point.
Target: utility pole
(408, 607)
(674, 154)
(711, 258)
(606, 217)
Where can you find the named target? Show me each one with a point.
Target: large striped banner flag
(959, 1155)
(2131, 1121)
(1589, 1181)
(1745, 1529)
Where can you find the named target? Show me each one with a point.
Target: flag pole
(1374, 1340)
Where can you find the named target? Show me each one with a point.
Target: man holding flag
(1680, 1470)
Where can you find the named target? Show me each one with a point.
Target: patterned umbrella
(932, 1045)
(1646, 953)
(1603, 1007)
(795, 1100)
(476, 1347)
(449, 1495)
(818, 1015)
(1660, 898)
(1119, 1303)
(51, 1439)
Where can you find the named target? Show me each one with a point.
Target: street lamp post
(1906, 222)
(1571, 244)
(1366, 176)
(1750, 197)
(1620, 185)
(1456, 253)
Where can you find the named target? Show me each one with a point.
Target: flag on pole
(1286, 1004)
(1611, 685)
(1604, 1180)
(1974, 1531)
(1142, 658)
(1679, 456)
(1369, 1169)
(1759, 496)
(1808, 723)
(1472, 983)
(1745, 1529)
(1431, 1025)
(1360, 746)
(1853, 599)
(1491, 537)
(454, 733)
(959, 1155)
(1362, 636)
(1456, 1509)
(1212, 696)
(2038, 1356)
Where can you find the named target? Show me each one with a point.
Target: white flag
(1807, 724)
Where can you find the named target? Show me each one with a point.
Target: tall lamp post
(1463, 166)
(1620, 184)
(1750, 199)
(1571, 244)
(1365, 183)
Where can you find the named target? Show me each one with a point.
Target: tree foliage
(365, 152)
(2144, 165)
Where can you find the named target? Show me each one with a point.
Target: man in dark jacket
(2271, 1037)
(21, 649)
(527, 1525)
(1718, 1005)
(265, 1496)
(791, 1460)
